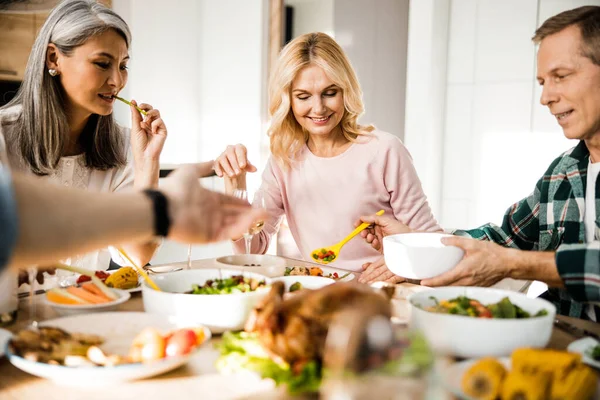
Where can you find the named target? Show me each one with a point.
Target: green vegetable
(461, 305)
(506, 308)
(288, 270)
(242, 351)
(234, 284)
(595, 353)
(295, 286)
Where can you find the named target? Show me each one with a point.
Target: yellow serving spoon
(325, 255)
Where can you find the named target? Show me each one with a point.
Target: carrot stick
(85, 295)
(93, 289)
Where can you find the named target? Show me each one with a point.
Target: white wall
(375, 37)
(496, 139)
(426, 92)
(312, 16)
(203, 64)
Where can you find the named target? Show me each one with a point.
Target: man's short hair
(587, 18)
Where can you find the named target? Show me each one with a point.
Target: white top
(590, 202)
(71, 171)
(590, 214)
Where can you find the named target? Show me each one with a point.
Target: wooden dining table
(196, 380)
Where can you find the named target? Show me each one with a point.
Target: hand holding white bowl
(485, 264)
(420, 255)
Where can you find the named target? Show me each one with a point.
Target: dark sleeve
(8, 218)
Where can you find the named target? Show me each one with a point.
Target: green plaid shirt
(551, 219)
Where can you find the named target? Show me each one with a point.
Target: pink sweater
(323, 197)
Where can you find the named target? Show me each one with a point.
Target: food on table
(312, 271)
(548, 361)
(55, 346)
(579, 383)
(182, 342)
(518, 385)
(100, 274)
(295, 286)
(234, 284)
(535, 374)
(88, 293)
(484, 379)
(463, 305)
(595, 353)
(124, 278)
(324, 255)
(284, 339)
(51, 345)
(150, 345)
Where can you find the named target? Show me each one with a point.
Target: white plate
(251, 260)
(328, 270)
(72, 280)
(584, 346)
(4, 337)
(118, 329)
(74, 309)
(452, 376)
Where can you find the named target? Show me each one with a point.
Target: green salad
(242, 351)
(468, 307)
(234, 284)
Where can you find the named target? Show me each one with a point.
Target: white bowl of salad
(478, 322)
(219, 299)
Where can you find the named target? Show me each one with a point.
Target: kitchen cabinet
(17, 34)
(16, 39)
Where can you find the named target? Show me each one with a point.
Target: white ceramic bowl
(218, 312)
(419, 255)
(68, 309)
(307, 282)
(470, 337)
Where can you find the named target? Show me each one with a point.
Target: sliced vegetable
(61, 296)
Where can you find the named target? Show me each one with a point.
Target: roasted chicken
(295, 329)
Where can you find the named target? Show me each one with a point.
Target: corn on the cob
(520, 386)
(123, 278)
(534, 361)
(578, 384)
(484, 379)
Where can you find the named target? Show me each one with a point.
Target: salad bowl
(216, 298)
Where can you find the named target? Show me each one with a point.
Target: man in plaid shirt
(554, 234)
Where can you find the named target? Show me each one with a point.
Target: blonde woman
(60, 124)
(326, 170)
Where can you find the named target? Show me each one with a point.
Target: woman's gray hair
(40, 133)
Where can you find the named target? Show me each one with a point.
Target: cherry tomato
(181, 342)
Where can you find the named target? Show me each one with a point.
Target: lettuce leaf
(242, 351)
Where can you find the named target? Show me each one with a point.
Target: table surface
(197, 379)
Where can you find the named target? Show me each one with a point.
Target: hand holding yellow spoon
(326, 255)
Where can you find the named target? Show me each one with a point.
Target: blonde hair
(39, 134)
(287, 136)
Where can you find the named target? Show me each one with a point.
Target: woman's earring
(53, 72)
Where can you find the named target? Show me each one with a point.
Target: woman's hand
(148, 134)
(377, 271)
(233, 164)
(380, 227)
(24, 274)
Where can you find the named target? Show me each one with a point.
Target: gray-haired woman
(60, 123)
